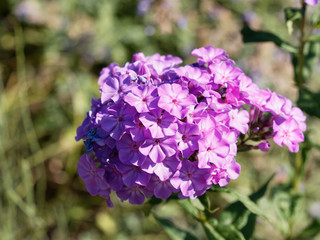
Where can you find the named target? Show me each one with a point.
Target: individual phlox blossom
(295, 113)
(191, 180)
(187, 138)
(135, 194)
(264, 146)
(158, 148)
(165, 169)
(114, 88)
(233, 95)
(246, 88)
(143, 98)
(161, 189)
(239, 120)
(117, 118)
(83, 129)
(287, 132)
(194, 75)
(106, 72)
(92, 176)
(113, 176)
(311, 2)
(133, 175)
(137, 132)
(212, 149)
(174, 98)
(159, 123)
(275, 103)
(215, 101)
(209, 54)
(225, 170)
(129, 151)
(196, 113)
(224, 72)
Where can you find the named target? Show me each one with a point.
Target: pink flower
(142, 98)
(174, 98)
(212, 149)
(287, 132)
(239, 120)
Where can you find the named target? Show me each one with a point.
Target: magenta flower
(159, 129)
(114, 88)
(174, 98)
(225, 171)
(224, 72)
(191, 180)
(239, 120)
(159, 123)
(187, 137)
(158, 148)
(264, 146)
(117, 118)
(165, 169)
(142, 98)
(209, 54)
(287, 132)
(212, 149)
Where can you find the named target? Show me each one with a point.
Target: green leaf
(197, 204)
(212, 233)
(292, 15)
(190, 208)
(246, 201)
(174, 232)
(248, 229)
(229, 232)
(249, 35)
(237, 213)
(314, 38)
(311, 231)
(309, 102)
(216, 230)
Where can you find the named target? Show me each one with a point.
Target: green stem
(300, 79)
(297, 171)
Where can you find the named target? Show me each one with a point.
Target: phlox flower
(92, 176)
(191, 180)
(212, 149)
(160, 128)
(159, 123)
(287, 132)
(142, 98)
(174, 98)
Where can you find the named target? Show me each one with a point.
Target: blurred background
(51, 53)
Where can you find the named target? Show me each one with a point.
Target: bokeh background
(51, 53)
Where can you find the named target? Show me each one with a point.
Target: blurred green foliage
(51, 53)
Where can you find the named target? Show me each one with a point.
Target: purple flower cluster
(160, 128)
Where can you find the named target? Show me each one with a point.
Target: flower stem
(300, 79)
